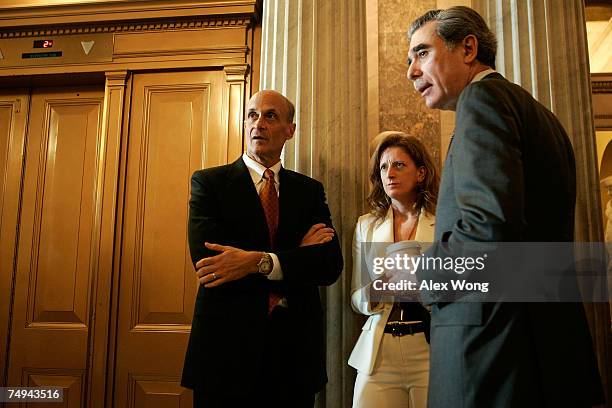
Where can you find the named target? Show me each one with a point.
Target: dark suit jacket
(228, 335)
(509, 177)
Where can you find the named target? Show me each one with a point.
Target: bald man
(262, 243)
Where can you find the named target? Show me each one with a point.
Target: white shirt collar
(256, 170)
(482, 74)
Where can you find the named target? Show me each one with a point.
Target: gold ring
(214, 276)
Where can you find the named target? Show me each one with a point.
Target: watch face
(265, 265)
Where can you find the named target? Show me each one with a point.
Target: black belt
(403, 328)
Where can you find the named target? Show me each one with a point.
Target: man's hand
(231, 264)
(317, 234)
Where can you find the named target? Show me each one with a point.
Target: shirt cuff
(277, 272)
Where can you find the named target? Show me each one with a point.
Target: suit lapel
(243, 203)
(288, 202)
(425, 229)
(450, 143)
(492, 75)
(384, 231)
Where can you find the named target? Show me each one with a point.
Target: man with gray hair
(509, 177)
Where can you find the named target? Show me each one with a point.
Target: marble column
(313, 51)
(542, 46)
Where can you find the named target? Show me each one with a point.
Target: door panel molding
(72, 382)
(156, 391)
(60, 182)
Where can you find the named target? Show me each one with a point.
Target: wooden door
(51, 316)
(178, 124)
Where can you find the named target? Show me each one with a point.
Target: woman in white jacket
(392, 353)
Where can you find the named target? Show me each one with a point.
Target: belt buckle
(395, 329)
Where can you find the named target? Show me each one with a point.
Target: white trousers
(400, 376)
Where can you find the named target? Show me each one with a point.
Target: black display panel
(51, 54)
(43, 43)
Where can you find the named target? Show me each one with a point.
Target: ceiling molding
(240, 21)
(601, 86)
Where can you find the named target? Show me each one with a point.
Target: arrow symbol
(87, 46)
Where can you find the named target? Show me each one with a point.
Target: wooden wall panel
(235, 77)
(63, 214)
(51, 313)
(175, 119)
(184, 42)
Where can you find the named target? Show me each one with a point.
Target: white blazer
(368, 229)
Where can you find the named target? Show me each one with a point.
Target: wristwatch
(265, 264)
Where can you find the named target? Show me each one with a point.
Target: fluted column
(542, 46)
(313, 51)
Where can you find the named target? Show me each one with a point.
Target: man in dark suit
(262, 243)
(509, 176)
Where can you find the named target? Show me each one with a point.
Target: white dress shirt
(482, 74)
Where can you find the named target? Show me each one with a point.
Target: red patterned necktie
(269, 202)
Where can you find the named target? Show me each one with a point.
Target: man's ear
(291, 131)
(470, 46)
